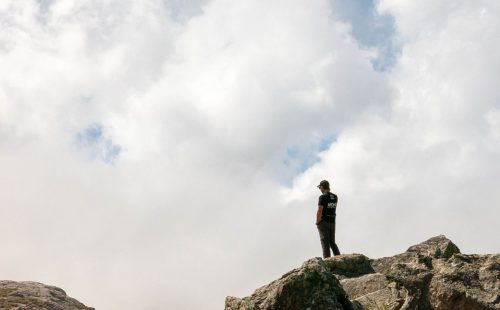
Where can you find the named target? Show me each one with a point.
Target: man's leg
(332, 244)
(324, 237)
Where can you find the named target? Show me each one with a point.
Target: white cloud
(430, 165)
(205, 102)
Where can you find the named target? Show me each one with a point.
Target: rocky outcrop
(29, 295)
(312, 286)
(430, 275)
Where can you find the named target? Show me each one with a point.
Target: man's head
(324, 186)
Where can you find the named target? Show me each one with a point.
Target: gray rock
(309, 287)
(349, 265)
(28, 295)
(430, 275)
(466, 282)
(369, 283)
(433, 275)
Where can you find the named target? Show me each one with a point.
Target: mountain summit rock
(29, 295)
(430, 275)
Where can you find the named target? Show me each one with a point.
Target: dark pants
(327, 237)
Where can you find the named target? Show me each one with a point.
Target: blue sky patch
(181, 10)
(326, 142)
(90, 135)
(92, 140)
(298, 159)
(370, 29)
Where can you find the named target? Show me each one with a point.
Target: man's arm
(319, 213)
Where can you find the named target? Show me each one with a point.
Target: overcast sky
(163, 154)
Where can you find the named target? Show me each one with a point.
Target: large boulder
(349, 265)
(28, 295)
(466, 282)
(374, 291)
(432, 275)
(309, 287)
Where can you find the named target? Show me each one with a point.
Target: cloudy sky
(163, 154)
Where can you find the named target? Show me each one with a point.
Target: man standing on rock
(325, 219)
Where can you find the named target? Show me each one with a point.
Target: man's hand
(318, 214)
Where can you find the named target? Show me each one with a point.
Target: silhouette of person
(325, 219)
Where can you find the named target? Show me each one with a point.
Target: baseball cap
(324, 183)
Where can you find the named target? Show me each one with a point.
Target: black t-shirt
(329, 203)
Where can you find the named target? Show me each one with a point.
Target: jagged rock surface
(430, 275)
(28, 295)
(312, 286)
